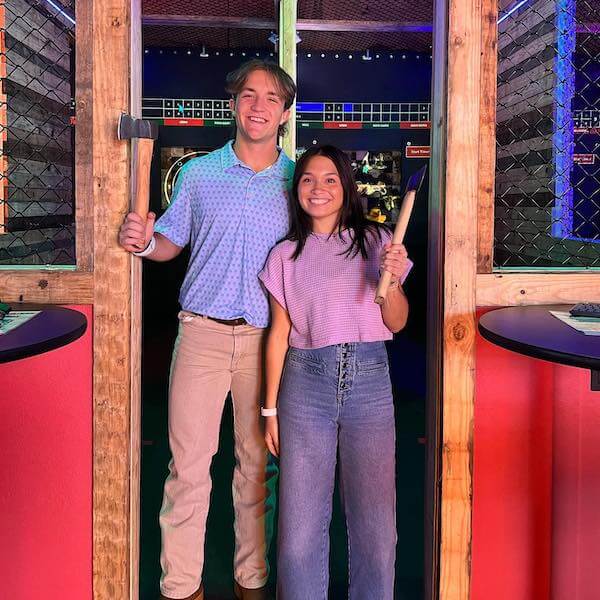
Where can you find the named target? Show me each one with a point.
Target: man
(231, 206)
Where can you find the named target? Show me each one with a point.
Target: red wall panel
(46, 473)
(536, 480)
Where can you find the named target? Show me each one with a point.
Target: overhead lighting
(517, 6)
(367, 55)
(204, 53)
(66, 15)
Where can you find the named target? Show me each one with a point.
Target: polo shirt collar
(279, 168)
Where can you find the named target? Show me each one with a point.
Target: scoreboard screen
(201, 112)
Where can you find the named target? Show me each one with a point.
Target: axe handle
(397, 238)
(142, 176)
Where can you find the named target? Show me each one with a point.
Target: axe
(412, 187)
(145, 132)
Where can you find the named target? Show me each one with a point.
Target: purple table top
(533, 331)
(54, 327)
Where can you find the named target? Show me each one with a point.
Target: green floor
(219, 543)
(407, 367)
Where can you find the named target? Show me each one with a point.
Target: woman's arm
(394, 310)
(277, 346)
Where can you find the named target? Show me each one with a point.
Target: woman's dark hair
(352, 216)
(236, 80)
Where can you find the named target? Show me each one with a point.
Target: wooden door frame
(108, 278)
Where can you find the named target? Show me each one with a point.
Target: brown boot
(242, 593)
(197, 595)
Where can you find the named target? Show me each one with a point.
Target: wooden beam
(462, 190)
(84, 196)
(517, 289)
(135, 419)
(487, 137)
(209, 22)
(111, 36)
(3, 124)
(288, 11)
(435, 306)
(46, 287)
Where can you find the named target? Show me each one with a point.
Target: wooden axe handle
(141, 201)
(397, 238)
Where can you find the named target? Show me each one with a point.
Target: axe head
(130, 127)
(416, 180)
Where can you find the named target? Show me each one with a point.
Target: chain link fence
(37, 210)
(547, 206)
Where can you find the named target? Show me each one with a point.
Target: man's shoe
(197, 595)
(242, 593)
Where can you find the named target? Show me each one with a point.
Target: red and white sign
(584, 159)
(415, 124)
(342, 125)
(184, 122)
(418, 151)
(588, 130)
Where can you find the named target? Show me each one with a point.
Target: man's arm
(135, 235)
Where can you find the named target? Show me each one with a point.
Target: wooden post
(3, 123)
(136, 325)
(113, 25)
(487, 137)
(288, 10)
(462, 189)
(84, 210)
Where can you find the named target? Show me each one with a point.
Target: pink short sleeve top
(328, 295)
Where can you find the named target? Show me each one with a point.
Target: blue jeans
(331, 399)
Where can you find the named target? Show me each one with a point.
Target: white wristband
(268, 412)
(148, 249)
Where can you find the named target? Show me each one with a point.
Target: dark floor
(407, 361)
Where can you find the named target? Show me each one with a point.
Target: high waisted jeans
(336, 398)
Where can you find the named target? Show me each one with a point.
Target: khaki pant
(209, 360)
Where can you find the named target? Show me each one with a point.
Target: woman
(327, 382)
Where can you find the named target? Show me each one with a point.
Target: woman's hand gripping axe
(144, 132)
(412, 187)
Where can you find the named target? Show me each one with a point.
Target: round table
(533, 331)
(52, 328)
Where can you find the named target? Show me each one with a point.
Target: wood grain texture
(516, 289)
(288, 12)
(135, 420)
(84, 140)
(48, 287)
(487, 137)
(111, 34)
(462, 189)
(3, 123)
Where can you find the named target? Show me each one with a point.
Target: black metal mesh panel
(547, 207)
(37, 213)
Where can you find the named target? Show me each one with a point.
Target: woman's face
(321, 194)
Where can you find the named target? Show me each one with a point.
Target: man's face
(259, 109)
